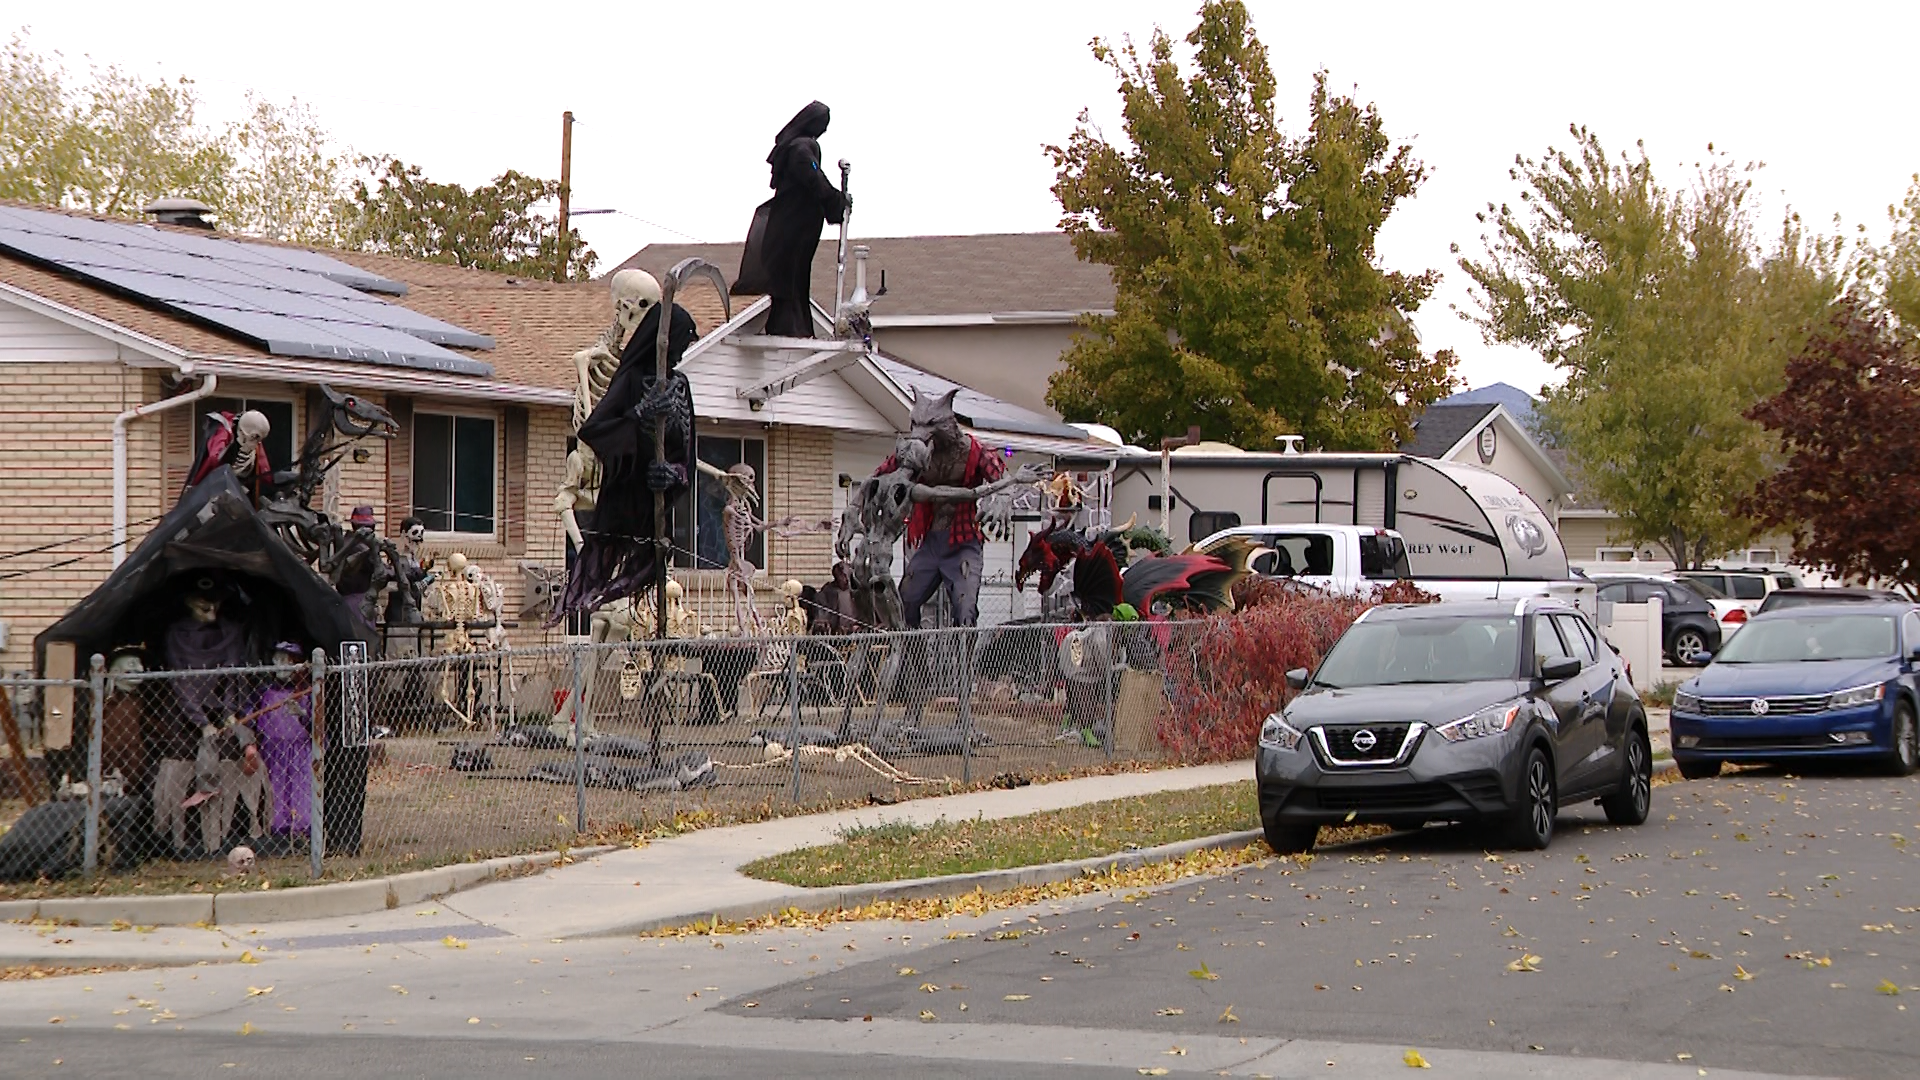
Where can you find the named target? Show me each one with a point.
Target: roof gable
(933, 276)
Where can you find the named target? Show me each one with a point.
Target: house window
(709, 535)
(454, 463)
(1614, 554)
(279, 416)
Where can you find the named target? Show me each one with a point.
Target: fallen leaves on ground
(1887, 987)
(1528, 962)
(979, 901)
(1017, 997)
(1228, 1017)
(452, 942)
(1204, 973)
(1414, 1060)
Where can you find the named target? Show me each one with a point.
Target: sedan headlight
(1277, 734)
(1859, 695)
(1685, 702)
(1488, 721)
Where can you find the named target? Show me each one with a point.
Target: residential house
(1493, 431)
(100, 318)
(994, 311)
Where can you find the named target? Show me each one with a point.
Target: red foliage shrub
(1227, 672)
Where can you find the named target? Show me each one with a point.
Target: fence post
(316, 827)
(581, 658)
(966, 705)
(793, 709)
(1106, 687)
(97, 683)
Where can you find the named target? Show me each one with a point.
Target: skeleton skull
(740, 484)
(457, 565)
(240, 860)
(635, 292)
(251, 429)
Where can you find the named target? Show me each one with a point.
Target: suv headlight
(1685, 702)
(1859, 695)
(1277, 734)
(1488, 721)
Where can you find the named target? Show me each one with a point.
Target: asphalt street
(1755, 923)
(1752, 925)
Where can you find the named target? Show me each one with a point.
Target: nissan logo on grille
(1364, 740)
(1758, 706)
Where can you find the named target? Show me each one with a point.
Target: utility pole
(566, 187)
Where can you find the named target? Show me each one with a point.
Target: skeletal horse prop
(287, 505)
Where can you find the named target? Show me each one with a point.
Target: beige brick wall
(56, 486)
(56, 483)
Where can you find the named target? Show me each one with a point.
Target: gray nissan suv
(1493, 711)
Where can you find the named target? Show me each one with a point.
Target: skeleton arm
(850, 520)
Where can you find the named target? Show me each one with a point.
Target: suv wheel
(1629, 805)
(1686, 642)
(1291, 839)
(1698, 770)
(1906, 742)
(1530, 822)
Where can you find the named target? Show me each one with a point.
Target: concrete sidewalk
(626, 890)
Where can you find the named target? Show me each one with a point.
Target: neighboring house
(483, 397)
(1489, 434)
(993, 310)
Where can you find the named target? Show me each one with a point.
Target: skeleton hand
(1028, 474)
(657, 402)
(664, 475)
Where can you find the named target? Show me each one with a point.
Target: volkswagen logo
(1758, 706)
(1364, 740)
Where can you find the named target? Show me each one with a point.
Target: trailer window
(1384, 558)
(1205, 523)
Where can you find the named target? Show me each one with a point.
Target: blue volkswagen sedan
(1802, 683)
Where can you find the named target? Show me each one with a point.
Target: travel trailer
(1459, 521)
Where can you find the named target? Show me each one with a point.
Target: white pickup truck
(1358, 558)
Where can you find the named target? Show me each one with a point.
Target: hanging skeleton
(742, 523)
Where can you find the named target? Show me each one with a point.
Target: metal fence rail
(351, 765)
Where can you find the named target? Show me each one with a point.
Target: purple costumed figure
(286, 741)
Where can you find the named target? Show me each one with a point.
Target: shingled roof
(536, 326)
(1441, 428)
(930, 276)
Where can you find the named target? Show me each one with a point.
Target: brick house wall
(56, 484)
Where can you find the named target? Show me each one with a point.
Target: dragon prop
(1103, 576)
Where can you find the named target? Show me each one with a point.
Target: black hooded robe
(617, 558)
(778, 259)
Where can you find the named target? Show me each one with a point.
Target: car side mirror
(1297, 678)
(1703, 657)
(1560, 670)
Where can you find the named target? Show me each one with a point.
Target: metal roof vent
(191, 213)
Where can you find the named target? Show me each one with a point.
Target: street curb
(834, 898)
(280, 905)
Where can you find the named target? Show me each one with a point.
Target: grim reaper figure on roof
(778, 259)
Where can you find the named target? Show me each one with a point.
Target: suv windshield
(1704, 589)
(1813, 636)
(1424, 650)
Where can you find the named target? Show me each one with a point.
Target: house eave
(985, 318)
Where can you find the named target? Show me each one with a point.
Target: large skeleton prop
(458, 598)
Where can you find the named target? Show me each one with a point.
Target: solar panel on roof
(289, 301)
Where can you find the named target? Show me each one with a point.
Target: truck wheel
(1529, 825)
(1629, 805)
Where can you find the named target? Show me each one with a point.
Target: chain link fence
(349, 765)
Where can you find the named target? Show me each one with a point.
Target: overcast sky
(943, 108)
